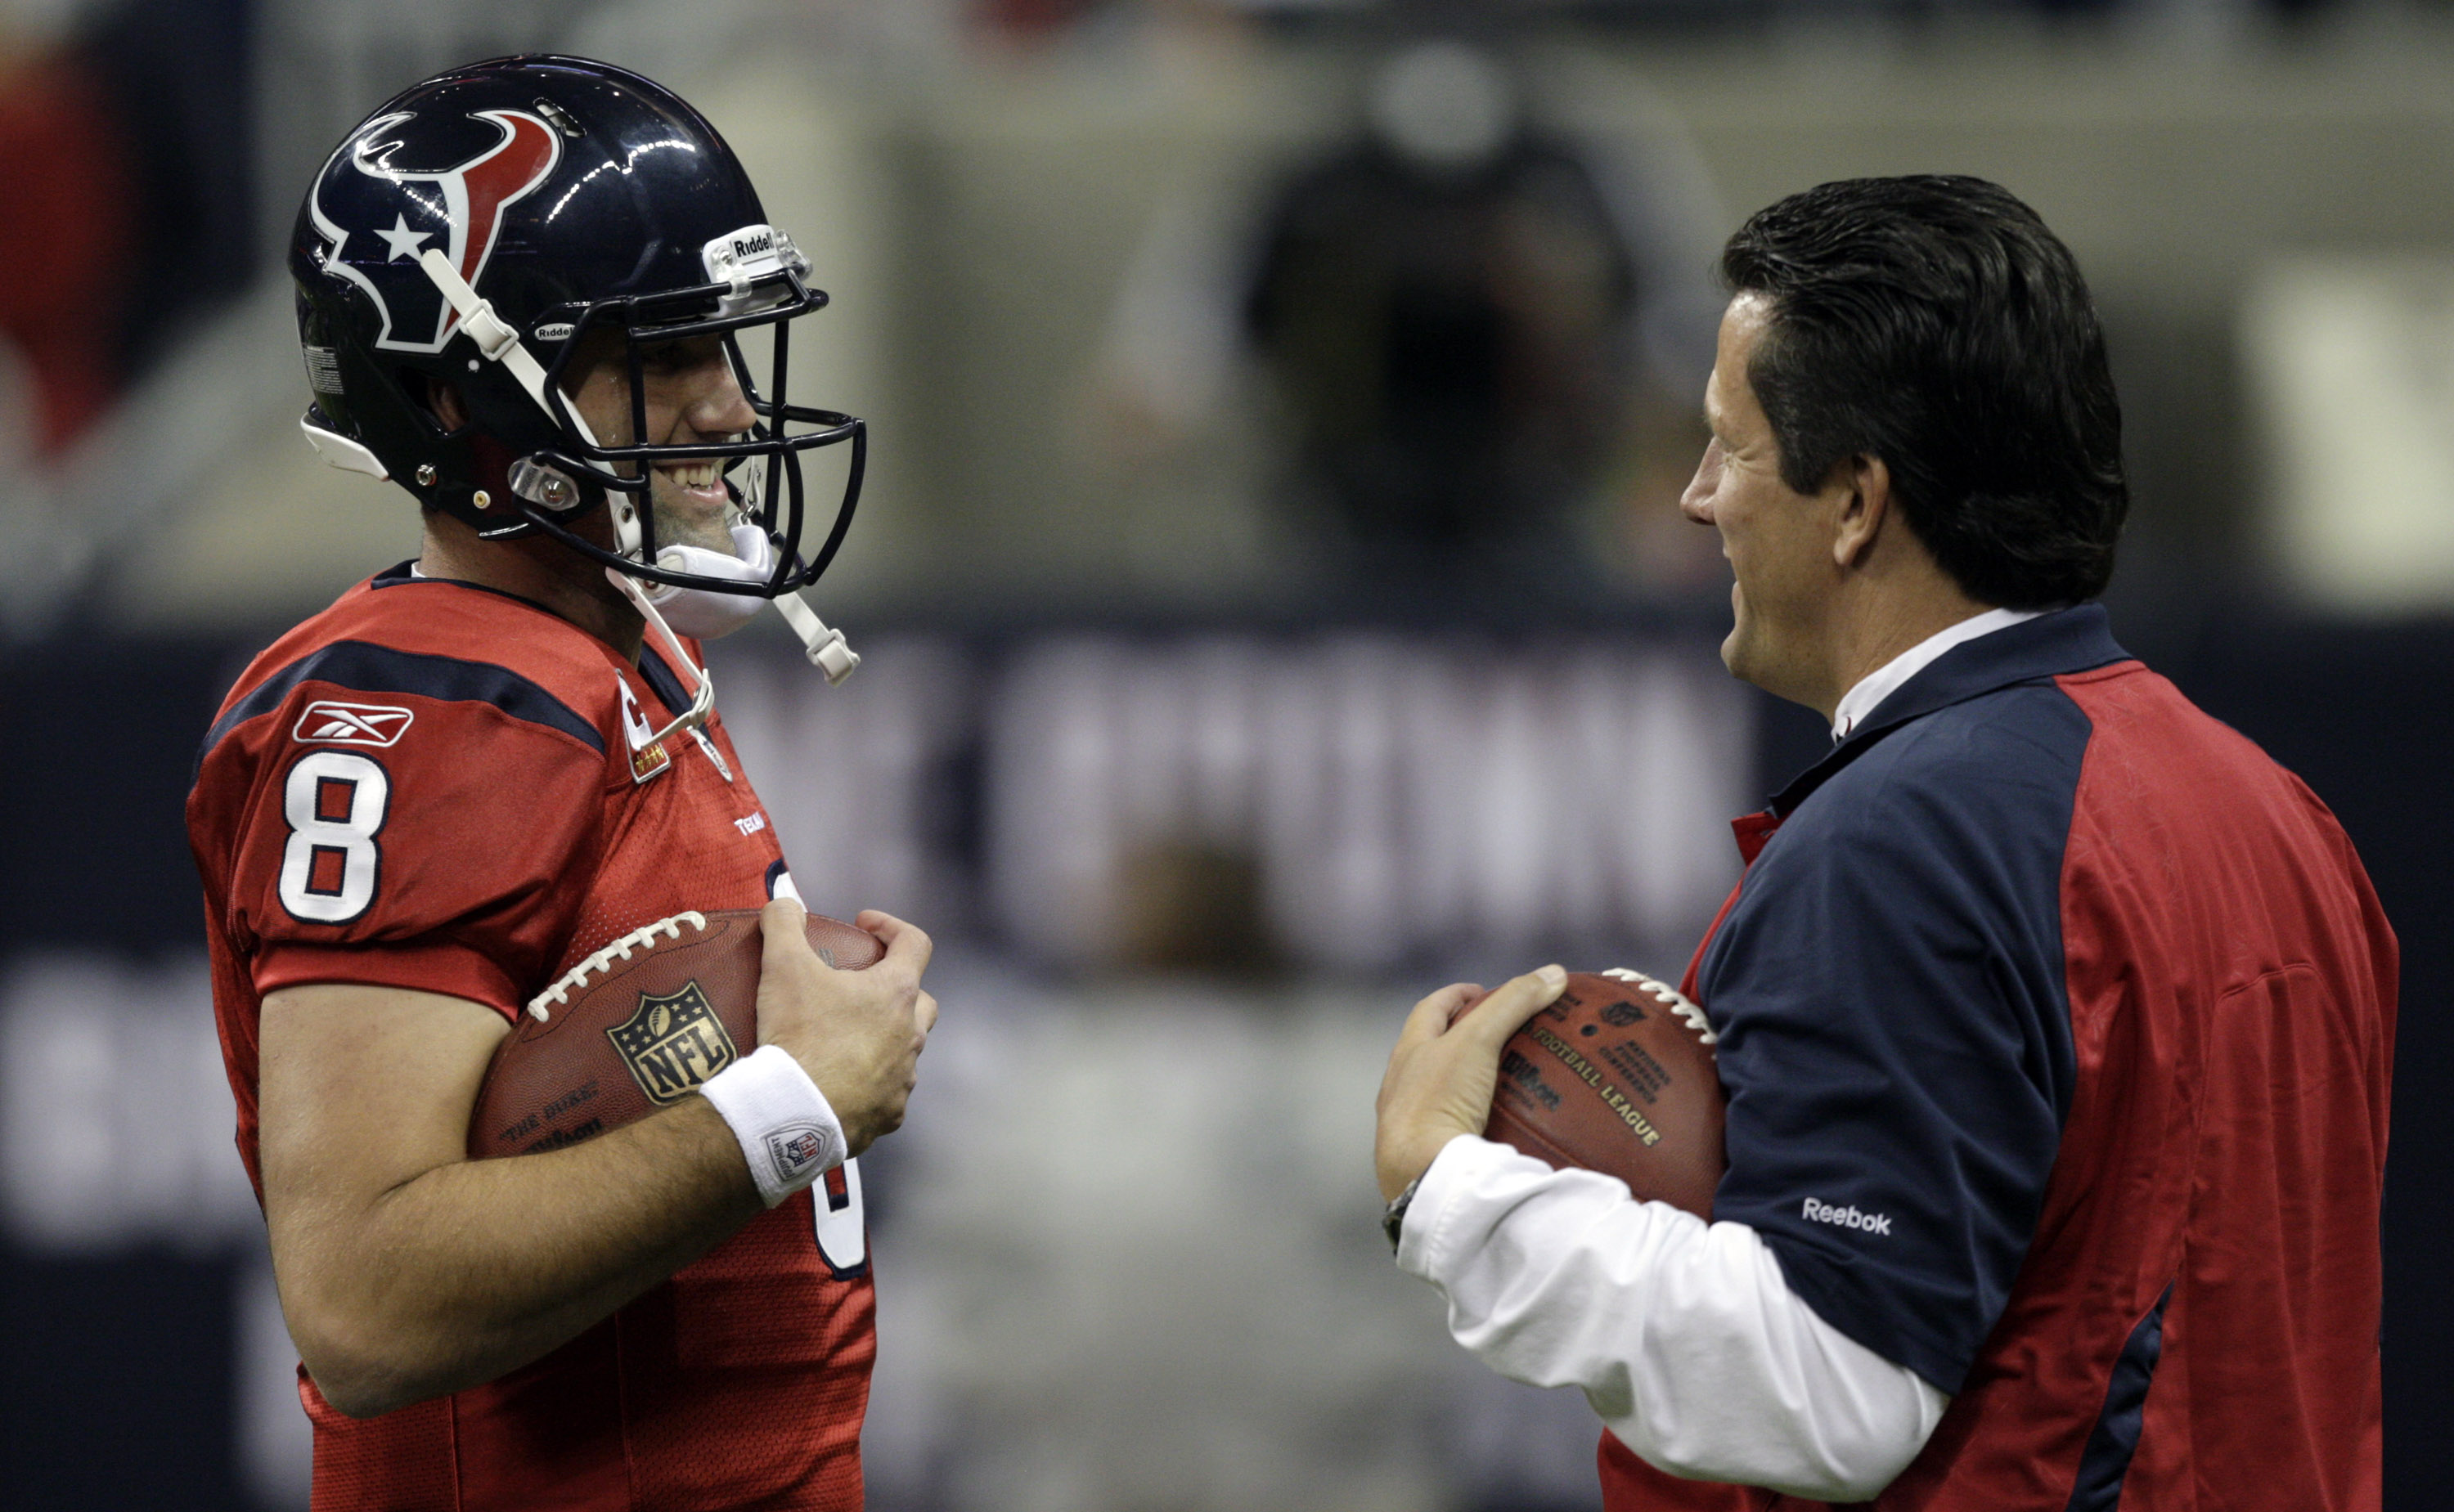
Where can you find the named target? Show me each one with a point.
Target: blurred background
(1275, 606)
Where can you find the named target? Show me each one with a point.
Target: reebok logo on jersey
(351, 723)
(1823, 1212)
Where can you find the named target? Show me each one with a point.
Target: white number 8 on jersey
(335, 802)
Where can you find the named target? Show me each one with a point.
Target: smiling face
(692, 396)
(1780, 542)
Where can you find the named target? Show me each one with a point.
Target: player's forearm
(477, 1267)
(1682, 1336)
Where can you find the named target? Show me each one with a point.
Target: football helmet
(479, 230)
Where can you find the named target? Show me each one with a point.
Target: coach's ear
(1864, 483)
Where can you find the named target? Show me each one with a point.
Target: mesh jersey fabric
(2189, 1316)
(435, 786)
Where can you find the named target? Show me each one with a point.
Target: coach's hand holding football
(857, 1033)
(1440, 1075)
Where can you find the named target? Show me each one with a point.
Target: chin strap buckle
(493, 335)
(827, 648)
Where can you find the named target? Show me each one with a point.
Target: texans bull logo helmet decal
(379, 175)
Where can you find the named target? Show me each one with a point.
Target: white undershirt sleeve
(1681, 1334)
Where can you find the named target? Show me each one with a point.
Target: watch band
(1392, 1219)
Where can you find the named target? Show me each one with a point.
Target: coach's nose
(1697, 503)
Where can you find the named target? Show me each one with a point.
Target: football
(1618, 1077)
(636, 1027)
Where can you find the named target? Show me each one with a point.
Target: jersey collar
(407, 573)
(1884, 681)
(2053, 644)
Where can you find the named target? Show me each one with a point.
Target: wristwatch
(1392, 1221)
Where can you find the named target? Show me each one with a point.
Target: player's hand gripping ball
(1617, 1076)
(636, 1027)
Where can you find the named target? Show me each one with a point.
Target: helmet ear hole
(438, 400)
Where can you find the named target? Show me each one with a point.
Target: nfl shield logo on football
(672, 1044)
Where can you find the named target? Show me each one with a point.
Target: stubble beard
(687, 523)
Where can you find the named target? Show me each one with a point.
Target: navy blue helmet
(474, 230)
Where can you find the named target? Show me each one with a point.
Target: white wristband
(788, 1133)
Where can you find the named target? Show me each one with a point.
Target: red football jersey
(435, 785)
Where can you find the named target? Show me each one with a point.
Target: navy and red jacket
(2056, 1021)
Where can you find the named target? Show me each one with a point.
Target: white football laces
(642, 938)
(1676, 1001)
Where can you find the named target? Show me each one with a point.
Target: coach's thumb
(1515, 1001)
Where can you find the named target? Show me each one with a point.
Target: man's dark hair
(1934, 322)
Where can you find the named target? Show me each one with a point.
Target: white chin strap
(696, 612)
(826, 648)
(702, 702)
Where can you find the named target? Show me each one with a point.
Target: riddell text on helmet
(1818, 1211)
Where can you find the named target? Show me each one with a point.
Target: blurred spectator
(124, 149)
(1441, 305)
(1467, 341)
(64, 244)
(178, 79)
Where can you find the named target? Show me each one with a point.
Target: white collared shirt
(1884, 681)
